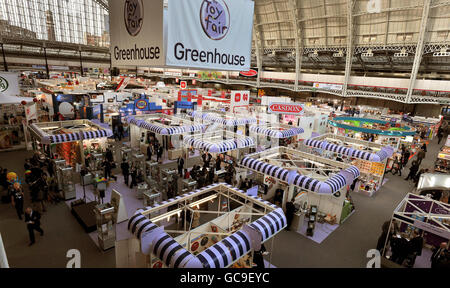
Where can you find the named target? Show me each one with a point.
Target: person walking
(17, 199)
(107, 168)
(420, 156)
(33, 220)
(413, 170)
(440, 135)
(133, 177)
(438, 254)
(290, 211)
(149, 152)
(405, 157)
(125, 171)
(159, 152)
(180, 165)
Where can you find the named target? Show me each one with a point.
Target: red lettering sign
(237, 97)
(286, 108)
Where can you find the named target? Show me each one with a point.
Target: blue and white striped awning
(384, 153)
(268, 169)
(221, 120)
(330, 186)
(276, 133)
(158, 129)
(219, 147)
(64, 138)
(97, 134)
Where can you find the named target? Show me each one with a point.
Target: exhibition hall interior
(224, 134)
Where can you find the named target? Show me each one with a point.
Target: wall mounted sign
(137, 32)
(210, 34)
(287, 108)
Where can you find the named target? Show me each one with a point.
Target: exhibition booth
(225, 228)
(442, 163)
(71, 141)
(269, 135)
(168, 130)
(379, 131)
(423, 215)
(369, 157)
(315, 184)
(220, 141)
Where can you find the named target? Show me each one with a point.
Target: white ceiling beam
(279, 26)
(349, 52)
(419, 49)
(298, 41)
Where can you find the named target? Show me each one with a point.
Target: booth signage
(284, 108)
(137, 32)
(239, 99)
(141, 104)
(31, 112)
(183, 84)
(436, 230)
(212, 34)
(250, 73)
(184, 105)
(9, 84)
(327, 86)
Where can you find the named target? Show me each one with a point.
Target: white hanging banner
(9, 84)
(212, 34)
(31, 112)
(239, 99)
(137, 32)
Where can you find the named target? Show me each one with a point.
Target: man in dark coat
(125, 171)
(33, 220)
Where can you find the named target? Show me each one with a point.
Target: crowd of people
(406, 248)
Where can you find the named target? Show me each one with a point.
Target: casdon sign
(212, 34)
(287, 108)
(137, 32)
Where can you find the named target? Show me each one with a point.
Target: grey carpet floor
(345, 247)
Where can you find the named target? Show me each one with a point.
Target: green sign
(3, 84)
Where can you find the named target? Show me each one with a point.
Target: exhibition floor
(345, 247)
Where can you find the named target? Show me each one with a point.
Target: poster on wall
(9, 84)
(210, 34)
(136, 32)
(239, 99)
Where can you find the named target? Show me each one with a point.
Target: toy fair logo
(215, 18)
(141, 104)
(3, 84)
(134, 16)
